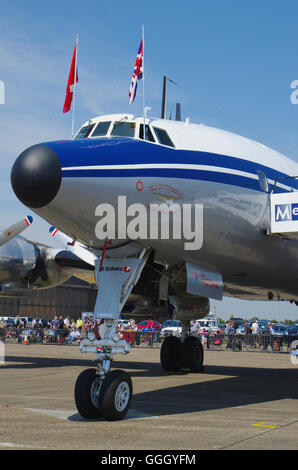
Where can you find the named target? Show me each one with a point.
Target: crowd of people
(61, 330)
(58, 330)
(235, 335)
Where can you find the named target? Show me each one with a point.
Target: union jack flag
(137, 74)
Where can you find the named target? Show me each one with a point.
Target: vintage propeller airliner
(104, 182)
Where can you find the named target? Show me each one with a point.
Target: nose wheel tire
(115, 395)
(87, 390)
(170, 354)
(108, 398)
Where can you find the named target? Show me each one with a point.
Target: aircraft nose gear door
(99, 392)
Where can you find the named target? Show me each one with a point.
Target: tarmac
(243, 400)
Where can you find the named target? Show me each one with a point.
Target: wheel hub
(94, 392)
(122, 396)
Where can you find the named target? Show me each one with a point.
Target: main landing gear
(176, 354)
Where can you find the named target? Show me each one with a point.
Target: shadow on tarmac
(237, 386)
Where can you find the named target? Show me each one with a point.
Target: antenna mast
(163, 100)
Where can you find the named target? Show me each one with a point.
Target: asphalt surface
(243, 400)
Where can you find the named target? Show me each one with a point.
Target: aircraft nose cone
(36, 176)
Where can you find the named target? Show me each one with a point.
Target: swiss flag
(70, 83)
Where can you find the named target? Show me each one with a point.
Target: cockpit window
(148, 135)
(101, 129)
(84, 132)
(163, 137)
(124, 129)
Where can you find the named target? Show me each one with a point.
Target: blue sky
(238, 56)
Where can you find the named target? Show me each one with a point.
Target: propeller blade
(76, 248)
(15, 229)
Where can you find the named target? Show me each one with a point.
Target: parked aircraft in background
(26, 265)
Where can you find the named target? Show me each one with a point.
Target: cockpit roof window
(163, 137)
(101, 129)
(84, 132)
(149, 135)
(124, 129)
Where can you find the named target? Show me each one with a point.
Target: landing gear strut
(101, 393)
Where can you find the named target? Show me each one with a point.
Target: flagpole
(74, 86)
(143, 40)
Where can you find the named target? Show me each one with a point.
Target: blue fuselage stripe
(212, 176)
(123, 151)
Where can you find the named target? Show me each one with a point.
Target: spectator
(255, 328)
(55, 322)
(247, 333)
(52, 334)
(247, 328)
(231, 332)
(254, 332)
(194, 327)
(87, 323)
(204, 335)
(267, 339)
(131, 324)
(63, 332)
(38, 335)
(74, 336)
(18, 322)
(60, 323)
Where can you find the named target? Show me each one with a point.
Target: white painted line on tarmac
(132, 414)
(20, 446)
(75, 416)
(52, 413)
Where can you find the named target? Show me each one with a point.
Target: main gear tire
(192, 354)
(170, 354)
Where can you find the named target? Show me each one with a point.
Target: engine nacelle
(54, 266)
(25, 266)
(189, 307)
(17, 257)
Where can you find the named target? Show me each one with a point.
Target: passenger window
(124, 129)
(149, 135)
(101, 129)
(163, 137)
(84, 132)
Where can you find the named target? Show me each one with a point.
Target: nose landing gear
(101, 393)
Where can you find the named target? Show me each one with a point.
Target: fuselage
(178, 162)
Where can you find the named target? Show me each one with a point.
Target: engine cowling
(25, 266)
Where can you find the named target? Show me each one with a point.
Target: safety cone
(26, 339)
